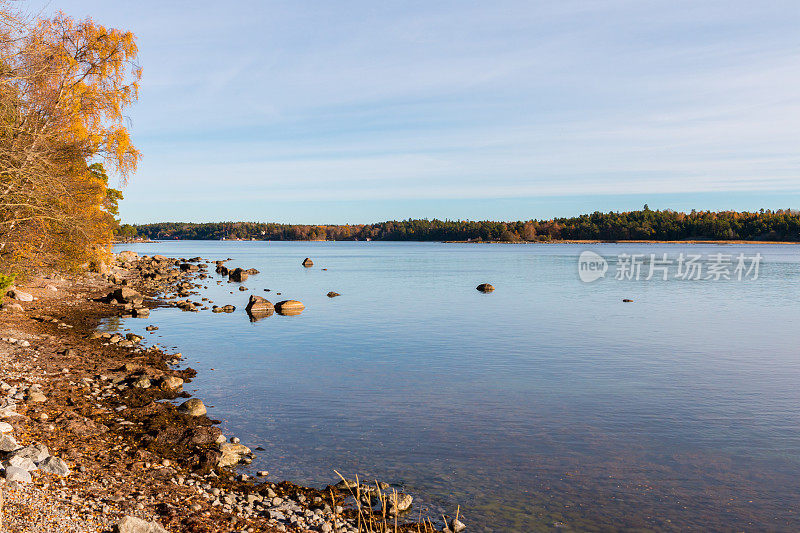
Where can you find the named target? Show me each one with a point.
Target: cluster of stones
(18, 462)
(282, 512)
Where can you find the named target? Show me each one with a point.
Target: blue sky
(359, 111)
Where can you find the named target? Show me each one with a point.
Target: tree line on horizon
(645, 224)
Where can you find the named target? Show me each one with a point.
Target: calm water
(548, 404)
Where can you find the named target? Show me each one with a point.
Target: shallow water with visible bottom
(548, 404)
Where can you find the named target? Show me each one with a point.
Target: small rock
(307, 262)
(54, 465)
(193, 406)
(130, 524)
(20, 475)
(126, 256)
(5, 427)
(35, 397)
(24, 463)
(485, 287)
(171, 383)
(399, 502)
(36, 452)
(142, 383)
(19, 295)
(457, 526)
(233, 454)
(333, 294)
(126, 295)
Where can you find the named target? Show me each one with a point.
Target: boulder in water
(289, 307)
(485, 287)
(238, 274)
(259, 307)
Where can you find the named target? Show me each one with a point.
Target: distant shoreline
(631, 226)
(602, 241)
(565, 241)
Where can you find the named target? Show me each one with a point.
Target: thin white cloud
(361, 100)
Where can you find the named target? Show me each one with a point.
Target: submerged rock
(347, 484)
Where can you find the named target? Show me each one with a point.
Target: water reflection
(547, 404)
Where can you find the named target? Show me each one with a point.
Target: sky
(361, 111)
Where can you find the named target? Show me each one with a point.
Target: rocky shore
(97, 434)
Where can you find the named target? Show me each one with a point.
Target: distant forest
(646, 224)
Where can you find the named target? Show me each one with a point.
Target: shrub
(5, 283)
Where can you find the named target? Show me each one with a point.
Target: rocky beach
(98, 434)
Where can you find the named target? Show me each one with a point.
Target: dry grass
(374, 508)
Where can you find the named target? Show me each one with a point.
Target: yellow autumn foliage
(64, 88)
